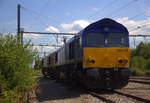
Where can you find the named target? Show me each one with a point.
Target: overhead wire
(45, 5)
(103, 9)
(43, 8)
(121, 8)
(34, 17)
(32, 13)
(139, 27)
(36, 13)
(137, 15)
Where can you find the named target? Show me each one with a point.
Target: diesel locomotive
(96, 57)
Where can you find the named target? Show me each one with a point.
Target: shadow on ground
(48, 89)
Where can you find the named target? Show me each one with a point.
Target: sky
(72, 16)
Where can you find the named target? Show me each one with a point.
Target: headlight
(92, 61)
(88, 61)
(125, 61)
(120, 61)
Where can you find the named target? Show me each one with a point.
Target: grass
(139, 72)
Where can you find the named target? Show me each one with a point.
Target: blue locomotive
(97, 57)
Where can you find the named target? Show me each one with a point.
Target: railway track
(140, 77)
(107, 95)
(143, 82)
(132, 96)
(106, 98)
(101, 97)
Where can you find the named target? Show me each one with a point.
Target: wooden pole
(18, 23)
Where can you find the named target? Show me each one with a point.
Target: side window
(49, 60)
(71, 50)
(56, 57)
(78, 48)
(80, 41)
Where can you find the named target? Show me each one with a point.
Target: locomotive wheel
(44, 72)
(74, 79)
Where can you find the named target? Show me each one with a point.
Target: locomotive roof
(106, 22)
(100, 23)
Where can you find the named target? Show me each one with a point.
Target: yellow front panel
(105, 57)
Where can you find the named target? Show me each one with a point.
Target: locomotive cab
(106, 50)
(106, 55)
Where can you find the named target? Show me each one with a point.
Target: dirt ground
(51, 91)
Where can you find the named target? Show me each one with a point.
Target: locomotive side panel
(61, 57)
(46, 62)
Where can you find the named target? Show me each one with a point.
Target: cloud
(59, 39)
(95, 9)
(136, 27)
(46, 49)
(75, 27)
(31, 36)
(52, 29)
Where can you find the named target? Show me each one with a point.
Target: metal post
(44, 53)
(134, 43)
(64, 39)
(18, 22)
(21, 35)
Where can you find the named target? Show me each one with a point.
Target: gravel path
(137, 89)
(50, 91)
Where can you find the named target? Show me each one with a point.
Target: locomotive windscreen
(95, 40)
(117, 40)
(113, 39)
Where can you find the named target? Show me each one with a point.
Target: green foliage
(16, 75)
(147, 66)
(138, 62)
(138, 71)
(132, 52)
(143, 50)
(140, 59)
(38, 63)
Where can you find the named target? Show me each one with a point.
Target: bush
(38, 62)
(138, 62)
(147, 66)
(16, 75)
(140, 59)
(143, 50)
(132, 52)
(137, 71)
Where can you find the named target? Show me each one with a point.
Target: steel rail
(132, 96)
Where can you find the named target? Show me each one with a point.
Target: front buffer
(106, 67)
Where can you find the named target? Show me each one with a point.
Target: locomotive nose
(90, 61)
(124, 61)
